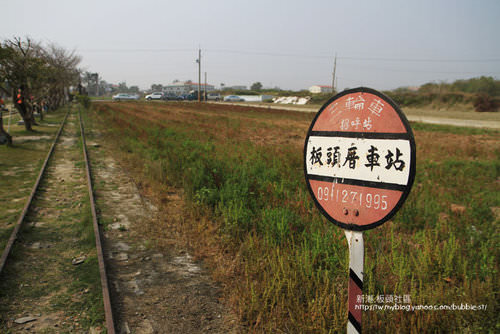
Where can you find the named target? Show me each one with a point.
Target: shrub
(320, 98)
(484, 103)
(84, 100)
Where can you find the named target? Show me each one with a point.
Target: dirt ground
(154, 289)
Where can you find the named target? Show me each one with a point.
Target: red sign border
(411, 176)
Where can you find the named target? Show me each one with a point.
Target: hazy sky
(290, 44)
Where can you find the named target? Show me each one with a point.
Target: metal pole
(97, 84)
(199, 75)
(205, 89)
(355, 288)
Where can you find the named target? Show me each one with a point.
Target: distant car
(173, 97)
(154, 96)
(233, 98)
(192, 96)
(213, 97)
(125, 96)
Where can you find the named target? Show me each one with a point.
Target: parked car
(125, 96)
(233, 98)
(154, 96)
(173, 97)
(213, 97)
(193, 96)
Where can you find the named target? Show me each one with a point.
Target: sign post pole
(359, 165)
(355, 287)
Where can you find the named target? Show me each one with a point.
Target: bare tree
(18, 66)
(36, 75)
(63, 74)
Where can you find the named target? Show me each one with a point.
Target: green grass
(453, 129)
(292, 264)
(19, 168)
(453, 112)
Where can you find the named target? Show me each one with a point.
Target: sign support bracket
(355, 288)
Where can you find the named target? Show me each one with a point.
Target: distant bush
(320, 98)
(84, 100)
(418, 99)
(481, 85)
(481, 92)
(485, 103)
(245, 92)
(301, 93)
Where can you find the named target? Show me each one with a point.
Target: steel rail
(108, 311)
(19, 223)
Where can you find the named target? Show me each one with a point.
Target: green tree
(156, 87)
(256, 86)
(122, 87)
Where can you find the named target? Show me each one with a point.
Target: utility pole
(205, 93)
(333, 74)
(97, 84)
(199, 75)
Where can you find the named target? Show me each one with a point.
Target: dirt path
(154, 289)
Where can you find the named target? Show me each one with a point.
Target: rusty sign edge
(412, 172)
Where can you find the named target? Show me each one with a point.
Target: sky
(289, 44)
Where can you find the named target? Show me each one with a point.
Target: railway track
(46, 267)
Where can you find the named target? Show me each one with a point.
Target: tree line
(37, 77)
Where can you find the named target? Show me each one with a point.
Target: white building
(183, 88)
(320, 89)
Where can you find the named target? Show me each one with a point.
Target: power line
(136, 50)
(490, 60)
(300, 55)
(259, 53)
(385, 69)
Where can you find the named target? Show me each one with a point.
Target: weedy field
(283, 266)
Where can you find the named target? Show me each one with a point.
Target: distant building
(183, 88)
(320, 89)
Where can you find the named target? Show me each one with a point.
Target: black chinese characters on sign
(333, 158)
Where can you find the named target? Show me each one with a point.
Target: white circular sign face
(359, 159)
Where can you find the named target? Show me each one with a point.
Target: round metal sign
(359, 159)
